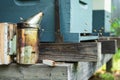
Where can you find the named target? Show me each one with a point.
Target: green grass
(106, 76)
(116, 61)
(103, 75)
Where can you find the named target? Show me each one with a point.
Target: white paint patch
(108, 5)
(102, 5)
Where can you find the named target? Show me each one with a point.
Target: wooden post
(70, 52)
(108, 46)
(58, 35)
(109, 65)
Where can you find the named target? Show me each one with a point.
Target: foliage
(116, 61)
(107, 76)
(115, 26)
(102, 76)
(117, 56)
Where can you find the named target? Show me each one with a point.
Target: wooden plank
(112, 38)
(70, 52)
(36, 72)
(108, 46)
(89, 68)
(58, 35)
(109, 65)
(62, 71)
(118, 41)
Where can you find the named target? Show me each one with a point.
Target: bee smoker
(27, 40)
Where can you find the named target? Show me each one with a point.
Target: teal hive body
(12, 10)
(75, 17)
(101, 17)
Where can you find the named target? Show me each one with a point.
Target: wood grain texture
(5, 41)
(71, 52)
(108, 46)
(62, 71)
(89, 68)
(112, 38)
(35, 72)
(118, 41)
(2, 43)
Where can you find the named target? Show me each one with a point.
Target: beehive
(13, 10)
(101, 16)
(75, 17)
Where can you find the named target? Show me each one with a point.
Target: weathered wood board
(75, 52)
(35, 72)
(89, 68)
(112, 38)
(70, 52)
(62, 71)
(118, 41)
(108, 46)
(7, 42)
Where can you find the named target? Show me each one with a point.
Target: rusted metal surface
(7, 42)
(27, 47)
(27, 39)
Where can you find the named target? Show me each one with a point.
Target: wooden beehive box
(7, 42)
(12, 10)
(101, 16)
(75, 17)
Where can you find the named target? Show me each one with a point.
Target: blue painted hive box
(75, 17)
(12, 10)
(102, 17)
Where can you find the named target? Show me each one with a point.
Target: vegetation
(101, 74)
(116, 61)
(115, 26)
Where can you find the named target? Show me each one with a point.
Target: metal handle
(26, 2)
(83, 4)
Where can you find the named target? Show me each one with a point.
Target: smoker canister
(27, 43)
(7, 42)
